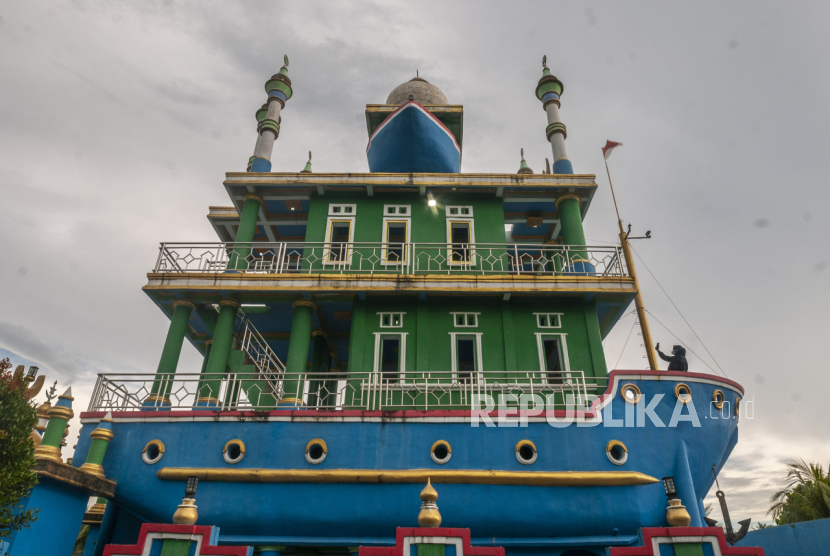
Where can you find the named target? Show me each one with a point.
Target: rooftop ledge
(347, 180)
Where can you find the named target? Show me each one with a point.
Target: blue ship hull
(307, 512)
(411, 140)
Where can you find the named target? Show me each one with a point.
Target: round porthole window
(630, 393)
(526, 452)
(315, 451)
(717, 399)
(152, 452)
(440, 452)
(683, 393)
(234, 451)
(616, 452)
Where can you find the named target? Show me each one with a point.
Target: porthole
(152, 452)
(738, 407)
(315, 451)
(616, 452)
(630, 393)
(717, 399)
(526, 452)
(440, 452)
(683, 393)
(234, 451)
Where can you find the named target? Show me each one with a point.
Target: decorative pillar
(549, 91)
(101, 437)
(169, 361)
(59, 415)
(298, 344)
(208, 393)
(206, 357)
(319, 364)
(279, 91)
(94, 517)
(570, 218)
(246, 232)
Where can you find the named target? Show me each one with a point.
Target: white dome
(420, 90)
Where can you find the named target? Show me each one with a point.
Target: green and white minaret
(549, 90)
(268, 119)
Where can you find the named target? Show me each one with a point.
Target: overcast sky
(118, 122)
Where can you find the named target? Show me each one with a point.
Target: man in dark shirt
(677, 360)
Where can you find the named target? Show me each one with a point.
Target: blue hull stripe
(412, 140)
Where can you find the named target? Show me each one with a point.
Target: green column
(298, 344)
(422, 339)
(59, 415)
(101, 437)
(599, 366)
(509, 338)
(319, 364)
(170, 354)
(570, 218)
(218, 361)
(353, 394)
(245, 234)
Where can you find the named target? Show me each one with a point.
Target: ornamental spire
(549, 90)
(268, 119)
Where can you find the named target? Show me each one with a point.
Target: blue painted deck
(411, 140)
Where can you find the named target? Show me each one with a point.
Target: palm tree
(806, 494)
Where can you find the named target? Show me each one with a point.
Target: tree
(806, 494)
(18, 417)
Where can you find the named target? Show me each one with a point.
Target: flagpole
(638, 299)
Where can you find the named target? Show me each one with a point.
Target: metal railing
(392, 258)
(341, 390)
(257, 350)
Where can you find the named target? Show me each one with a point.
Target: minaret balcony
(397, 267)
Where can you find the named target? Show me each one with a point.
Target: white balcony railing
(340, 390)
(392, 258)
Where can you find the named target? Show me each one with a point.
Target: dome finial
(307, 169)
(523, 167)
(429, 515)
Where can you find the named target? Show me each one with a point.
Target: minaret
(268, 119)
(548, 91)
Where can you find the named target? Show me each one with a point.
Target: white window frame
(385, 240)
(469, 208)
(347, 260)
(563, 354)
(407, 213)
(391, 316)
(472, 242)
(342, 208)
(465, 325)
(479, 373)
(558, 317)
(376, 374)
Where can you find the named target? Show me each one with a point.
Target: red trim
(401, 107)
(194, 530)
(411, 413)
(403, 532)
(648, 533)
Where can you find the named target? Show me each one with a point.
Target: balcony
(482, 267)
(336, 391)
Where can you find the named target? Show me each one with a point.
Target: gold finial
(545, 61)
(187, 513)
(429, 515)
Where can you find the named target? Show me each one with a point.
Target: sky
(119, 120)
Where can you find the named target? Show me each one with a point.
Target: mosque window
(395, 234)
(464, 212)
(466, 357)
(461, 237)
(391, 320)
(553, 357)
(465, 320)
(390, 357)
(548, 320)
(342, 210)
(339, 237)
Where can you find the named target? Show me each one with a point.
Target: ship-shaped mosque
(371, 337)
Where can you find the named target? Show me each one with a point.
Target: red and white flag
(609, 146)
